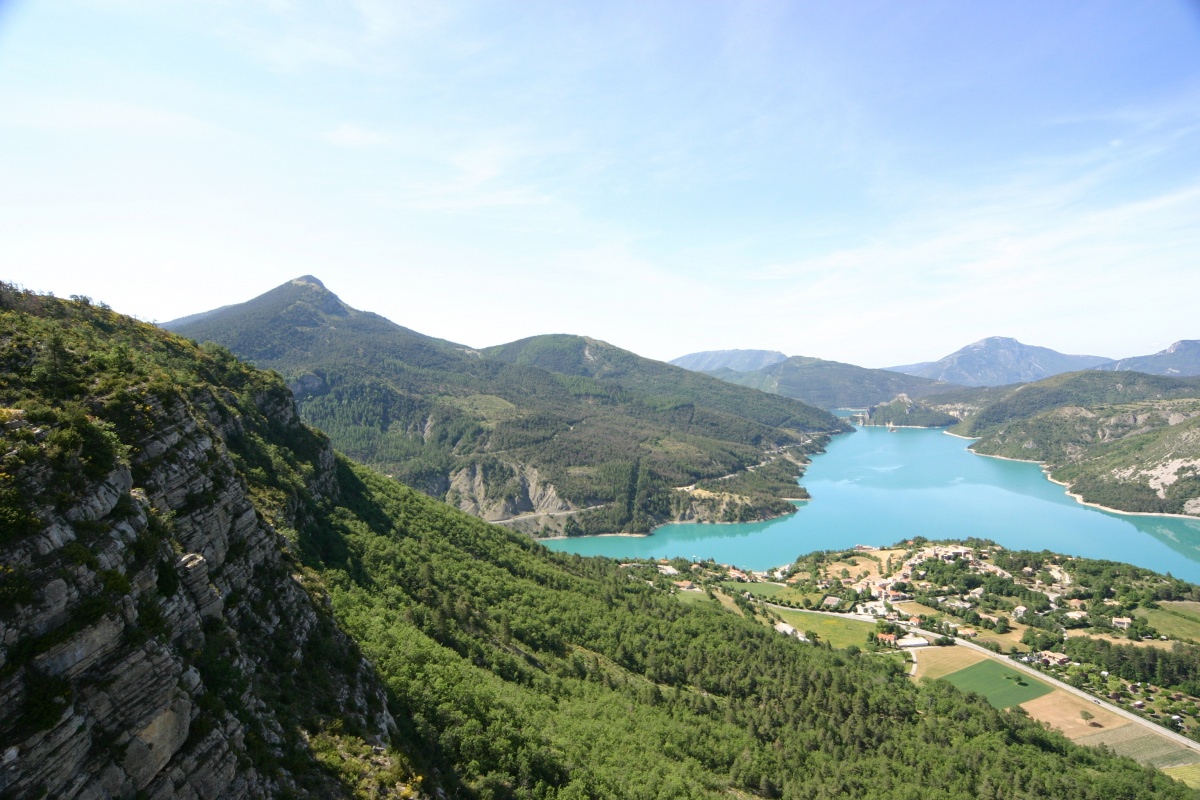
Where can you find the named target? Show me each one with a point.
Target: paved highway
(1021, 666)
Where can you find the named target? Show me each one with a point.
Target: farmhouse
(1053, 659)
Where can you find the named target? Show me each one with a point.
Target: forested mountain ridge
(1000, 360)
(664, 383)
(832, 384)
(736, 360)
(533, 431)
(1083, 389)
(1124, 440)
(509, 671)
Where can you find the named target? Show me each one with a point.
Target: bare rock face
(504, 492)
(145, 627)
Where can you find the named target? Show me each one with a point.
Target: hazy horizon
(873, 183)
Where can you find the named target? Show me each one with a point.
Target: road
(1129, 715)
(536, 514)
(1023, 667)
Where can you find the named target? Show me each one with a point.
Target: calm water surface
(875, 487)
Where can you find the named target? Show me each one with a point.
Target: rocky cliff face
(155, 636)
(517, 491)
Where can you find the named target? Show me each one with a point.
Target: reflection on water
(876, 487)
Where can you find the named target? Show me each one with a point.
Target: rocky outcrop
(504, 492)
(152, 621)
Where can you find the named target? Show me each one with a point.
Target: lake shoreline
(1078, 498)
(674, 522)
(877, 485)
(905, 427)
(592, 536)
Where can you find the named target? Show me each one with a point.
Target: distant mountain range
(994, 362)
(569, 433)
(736, 360)
(561, 433)
(1180, 359)
(1000, 360)
(832, 384)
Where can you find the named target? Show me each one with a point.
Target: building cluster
(883, 588)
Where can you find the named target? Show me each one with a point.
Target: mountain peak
(1000, 360)
(308, 280)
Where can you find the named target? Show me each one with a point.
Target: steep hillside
(1124, 440)
(1084, 389)
(545, 438)
(832, 384)
(736, 360)
(156, 637)
(509, 671)
(1180, 359)
(999, 360)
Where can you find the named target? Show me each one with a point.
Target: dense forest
(904, 412)
(510, 671)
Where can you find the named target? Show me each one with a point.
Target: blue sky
(877, 183)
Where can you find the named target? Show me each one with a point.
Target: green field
(1003, 687)
(837, 631)
(772, 592)
(767, 590)
(1175, 620)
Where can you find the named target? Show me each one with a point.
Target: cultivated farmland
(1003, 687)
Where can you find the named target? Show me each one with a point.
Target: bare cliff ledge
(156, 638)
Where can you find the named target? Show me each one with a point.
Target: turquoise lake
(875, 487)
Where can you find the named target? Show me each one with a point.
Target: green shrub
(46, 697)
(168, 579)
(115, 582)
(80, 554)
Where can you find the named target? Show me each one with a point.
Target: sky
(877, 183)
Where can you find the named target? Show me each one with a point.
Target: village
(1052, 613)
